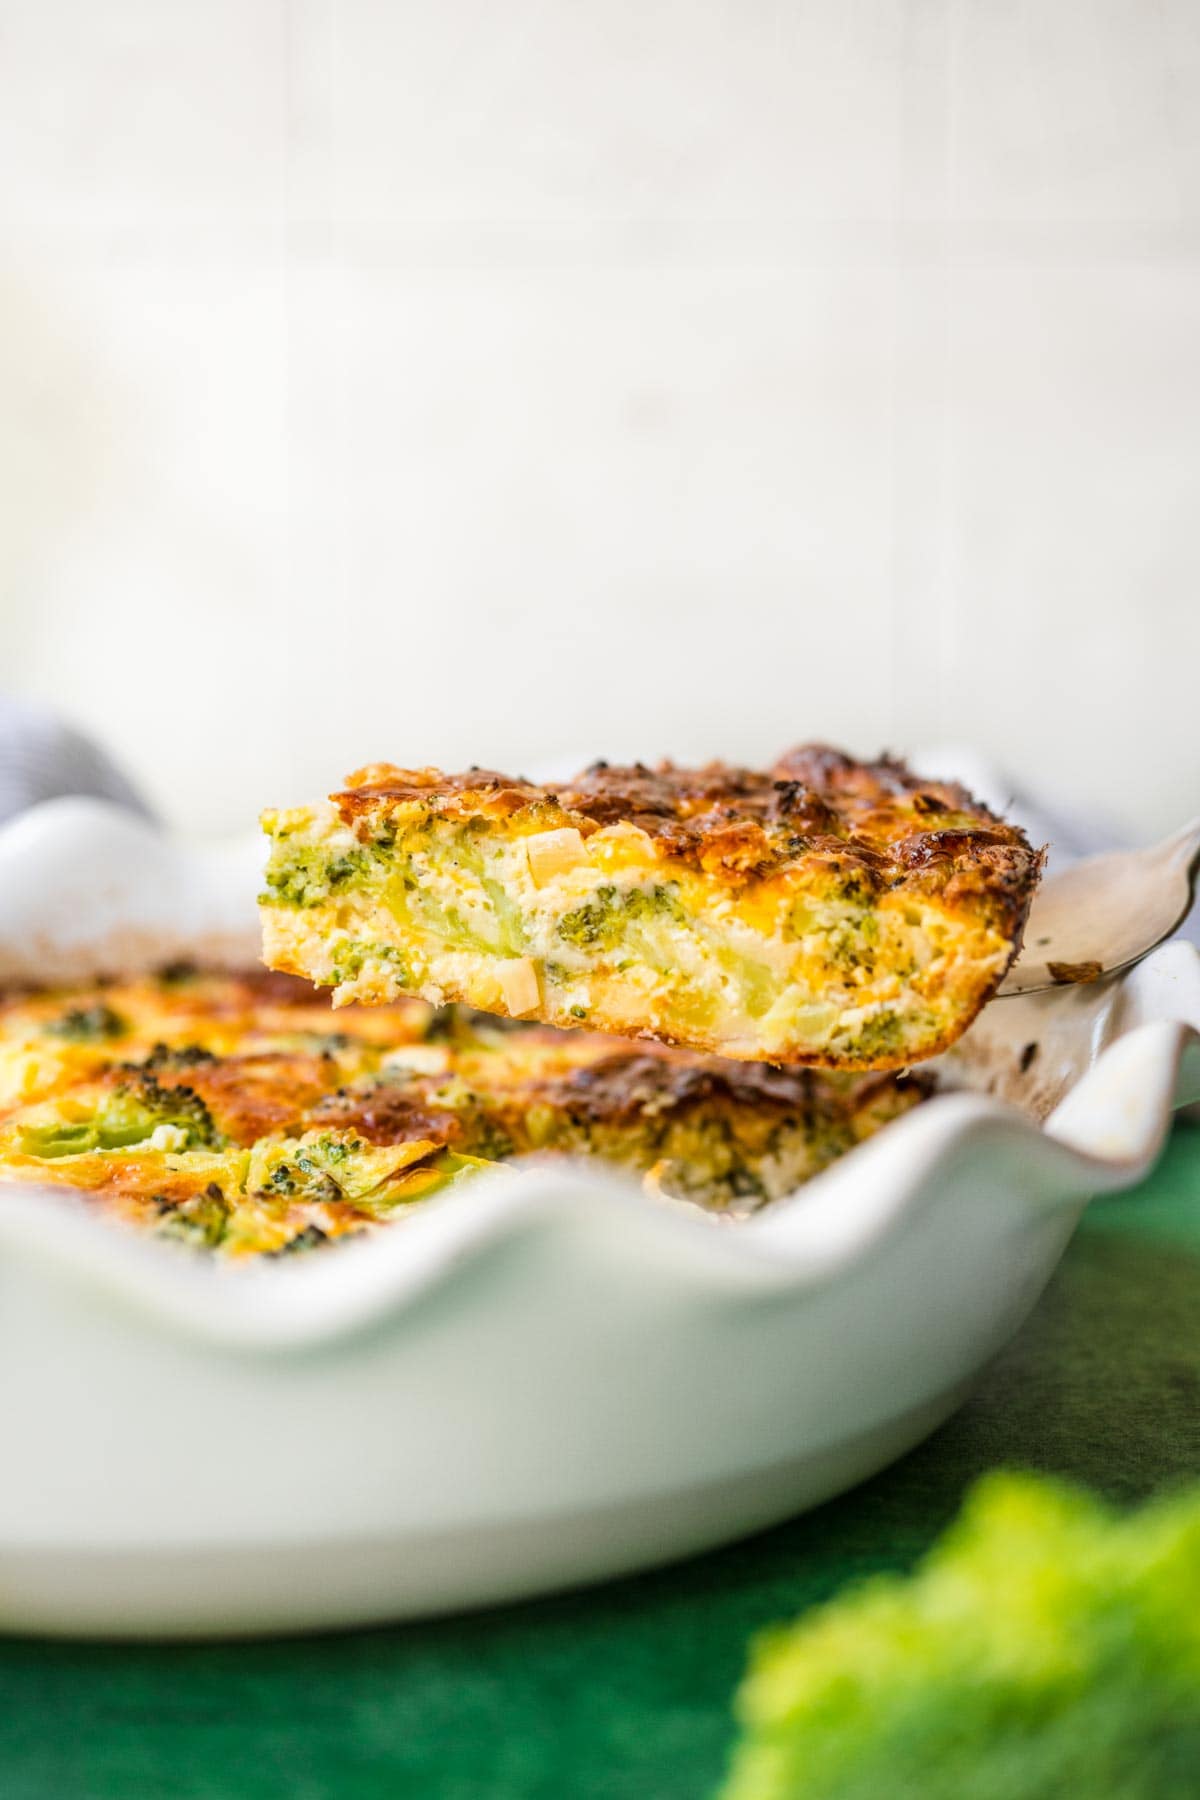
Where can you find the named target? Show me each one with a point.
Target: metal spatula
(1106, 913)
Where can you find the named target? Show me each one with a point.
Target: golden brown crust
(873, 820)
(251, 1097)
(387, 1113)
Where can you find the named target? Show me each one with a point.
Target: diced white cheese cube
(553, 853)
(168, 1137)
(520, 987)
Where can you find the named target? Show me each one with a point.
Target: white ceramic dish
(540, 1380)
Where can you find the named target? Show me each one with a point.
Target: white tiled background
(473, 382)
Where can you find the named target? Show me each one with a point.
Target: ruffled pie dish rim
(542, 1378)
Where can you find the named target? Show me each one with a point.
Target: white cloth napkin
(41, 758)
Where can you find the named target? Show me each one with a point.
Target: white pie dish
(544, 1377)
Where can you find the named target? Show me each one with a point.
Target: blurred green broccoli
(1046, 1647)
(88, 1024)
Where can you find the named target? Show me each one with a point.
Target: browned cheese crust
(742, 825)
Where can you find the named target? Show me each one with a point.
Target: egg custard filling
(824, 911)
(239, 1115)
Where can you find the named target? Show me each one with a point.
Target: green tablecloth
(623, 1693)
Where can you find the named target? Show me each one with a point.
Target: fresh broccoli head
(1045, 1648)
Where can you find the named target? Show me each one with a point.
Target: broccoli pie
(824, 911)
(239, 1114)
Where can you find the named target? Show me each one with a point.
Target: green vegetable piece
(349, 957)
(311, 1237)
(181, 1056)
(89, 1024)
(601, 921)
(200, 1222)
(129, 1117)
(1046, 1648)
(880, 1035)
(138, 1106)
(301, 1180)
(57, 1140)
(175, 974)
(307, 875)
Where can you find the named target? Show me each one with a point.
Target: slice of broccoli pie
(824, 911)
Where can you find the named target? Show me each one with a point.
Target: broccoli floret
(307, 1172)
(1046, 1647)
(141, 1104)
(182, 1056)
(131, 1115)
(488, 1139)
(880, 1036)
(341, 869)
(349, 957)
(93, 1024)
(199, 1222)
(175, 974)
(58, 1139)
(301, 1180)
(652, 903)
(598, 921)
(462, 1025)
(602, 920)
(305, 876)
(310, 1238)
